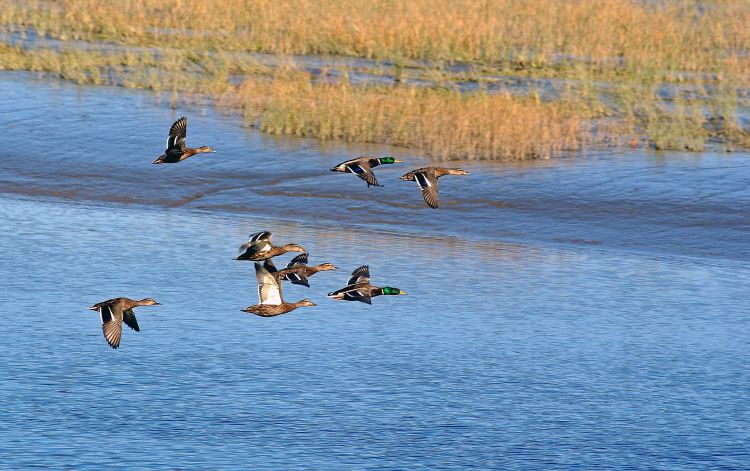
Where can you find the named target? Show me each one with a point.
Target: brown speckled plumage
(114, 312)
(176, 149)
(427, 180)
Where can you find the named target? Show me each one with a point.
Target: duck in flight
(427, 180)
(297, 271)
(176, 149)
(259, 248)
(270, 301)
(358, 288)
(362, 167)
(114, 312)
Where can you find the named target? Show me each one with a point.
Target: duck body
(297, 271)
(114, 312)
(270, 300)
(358, 288)
(259, 248)
(427, 180)
(176, 150)
(362, 167)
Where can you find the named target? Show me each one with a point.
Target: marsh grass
(676, 35)
(617, 58)
(446, 124)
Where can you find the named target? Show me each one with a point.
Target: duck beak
(398, 161)
(156, 304)
(93, 308)
(401, 292)
(334, 169)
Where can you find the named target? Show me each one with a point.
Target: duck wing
(258, 242)
(177, 133)
(265, 235)
(360, 275)
(359, 292)
(269, 289)
(300, 259)
(297, 277)
(128, 316)
(111, 315)
(428, 183)
(362, 169)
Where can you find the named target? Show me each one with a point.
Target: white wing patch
(269, 290)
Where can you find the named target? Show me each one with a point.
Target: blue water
(581, 314)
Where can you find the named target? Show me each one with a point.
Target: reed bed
(676, 35)
(445, 124)
(672, 74)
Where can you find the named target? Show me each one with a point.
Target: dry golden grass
(442, 123)
(618, 55)
(678, 35)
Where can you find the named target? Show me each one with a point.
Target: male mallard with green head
(259, 248)
(427, 180)
(114, 312)
(358, 288)
(176, 149)
(270, 301)
(362, 167)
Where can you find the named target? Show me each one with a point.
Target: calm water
(582, 313)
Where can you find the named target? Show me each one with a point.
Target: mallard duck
(260, 248)
(362, 167)
(270, 302)
(114, 312)
(176, 149)
(358, 288)
(297, 270)
(427, 179)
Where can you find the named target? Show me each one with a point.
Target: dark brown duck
(114, 312)
(176, 149)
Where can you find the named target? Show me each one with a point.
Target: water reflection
(501, 352)
(681, 205)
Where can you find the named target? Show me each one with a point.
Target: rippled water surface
(580, 313)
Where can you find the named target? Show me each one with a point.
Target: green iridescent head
(388, 160)
(390, 291)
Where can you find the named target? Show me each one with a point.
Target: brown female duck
(176, 149)
(427, 180)
(362, 167)
(270, 301)
(259, 248)
(358, 288)
(114, 312)
(297, 270)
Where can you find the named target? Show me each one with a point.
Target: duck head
(148, 302)
(387, 290)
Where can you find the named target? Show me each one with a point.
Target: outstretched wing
(265, 235)
(295, 274)
(363, 171)
(360, 275)
(258, 242)
(269, 290)
(128, 316)
(361, 294)
(428, 183)
(177, 133)
(111, 315)
(300, 259)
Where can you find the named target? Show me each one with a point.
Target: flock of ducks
(260, 249)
